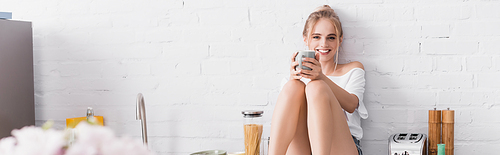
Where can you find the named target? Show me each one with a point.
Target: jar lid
(252, 112)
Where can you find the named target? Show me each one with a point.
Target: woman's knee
(293, 93)
(294, 87)
(317, 88)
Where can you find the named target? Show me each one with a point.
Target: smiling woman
(318, 111)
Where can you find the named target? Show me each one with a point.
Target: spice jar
(252, 125)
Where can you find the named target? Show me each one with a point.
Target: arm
(349, 102)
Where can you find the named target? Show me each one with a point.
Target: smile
(323, 51)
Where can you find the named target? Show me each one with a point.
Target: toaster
(408, 144)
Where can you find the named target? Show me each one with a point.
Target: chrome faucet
(141, 115)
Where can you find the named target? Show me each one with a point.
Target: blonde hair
(326, 12)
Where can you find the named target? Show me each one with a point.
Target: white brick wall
(199, 63)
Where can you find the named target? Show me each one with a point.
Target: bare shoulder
(345, 68)
(354, 64)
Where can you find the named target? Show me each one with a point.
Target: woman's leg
(300, 144)
(327, 125)
(286, 116)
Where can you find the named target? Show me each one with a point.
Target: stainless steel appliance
(408, 144)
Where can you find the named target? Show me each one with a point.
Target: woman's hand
(295, 74)
(316, 72)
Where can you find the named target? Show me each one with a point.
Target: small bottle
(90, 115)
(253, 131)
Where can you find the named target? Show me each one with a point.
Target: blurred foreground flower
(89, 140)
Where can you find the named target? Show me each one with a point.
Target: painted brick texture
(200, 63)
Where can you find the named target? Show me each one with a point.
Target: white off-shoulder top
(354, 83)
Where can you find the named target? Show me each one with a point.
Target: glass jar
(252, 125)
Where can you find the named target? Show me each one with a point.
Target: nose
(322, 42)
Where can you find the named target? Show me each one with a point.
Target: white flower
(7, 145)
(93, 139)
(31, 140)
(89, 140)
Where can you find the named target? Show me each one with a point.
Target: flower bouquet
(85, 139)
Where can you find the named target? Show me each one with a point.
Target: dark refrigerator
(17, 108)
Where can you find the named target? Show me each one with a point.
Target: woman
(319, 111)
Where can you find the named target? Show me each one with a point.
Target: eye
(331, 38)
(315, 37)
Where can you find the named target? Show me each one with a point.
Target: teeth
(323, 51)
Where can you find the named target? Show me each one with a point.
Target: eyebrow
(328, 35)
